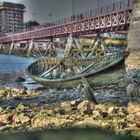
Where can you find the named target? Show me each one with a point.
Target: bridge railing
(121, 5)
(110, 8)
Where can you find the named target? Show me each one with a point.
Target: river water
(12, 67)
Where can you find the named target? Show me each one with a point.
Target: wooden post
(31, 45)
(88, 92)
(93, 49)
(1, 46)
(11, 48)
(72, 44)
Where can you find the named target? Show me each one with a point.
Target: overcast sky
(58, 8)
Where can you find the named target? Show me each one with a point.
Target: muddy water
(12, 67)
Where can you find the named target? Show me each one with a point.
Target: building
(30, 25)
(11, 17)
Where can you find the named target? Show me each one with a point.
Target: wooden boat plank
(93, 75)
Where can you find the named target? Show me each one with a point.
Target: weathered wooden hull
(112, 74)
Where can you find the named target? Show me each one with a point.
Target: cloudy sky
(57, 8)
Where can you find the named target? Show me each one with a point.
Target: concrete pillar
(11, 48)
(133, 61)
(31, 45)
(1, 46)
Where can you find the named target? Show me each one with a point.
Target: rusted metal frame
(22, 36)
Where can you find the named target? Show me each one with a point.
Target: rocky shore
(31, 110)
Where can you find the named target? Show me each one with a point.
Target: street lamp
(50, 15)
(73, 12)
(98, 6)
(73, 7)
(34, 14)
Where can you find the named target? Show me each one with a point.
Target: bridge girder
(114, 21)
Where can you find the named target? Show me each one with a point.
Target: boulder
(84, 108)
(19, 92)
(96, 114)
(75, 103)
(105, 107)
(43, 120)
(60, 111)
(49, 112)
(22, 91)
(130, 118)
(3, 93)
(5, 118)
(21, 107)
(66, 106)
(123, 110)
(32, 92)
(21, 118)
(133, 107)
(87, 123)
(112, 110)
(137, 119)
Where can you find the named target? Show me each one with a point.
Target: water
(12, 67)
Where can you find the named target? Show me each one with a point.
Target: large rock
(133, 92)
(21, 118)
(112, 110)
(32, 92)
(21, 107)
(105, 107)
(43, 120)
(3, 93)
(19, 92)
(66, 106)
(89, 122)
(22, 91)
(96, 114)
(137, 119)
(48, 112)
(75, 103)
(84, 108)
(133, 107)
(5, 118)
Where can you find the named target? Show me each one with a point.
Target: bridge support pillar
(11, 47)
(133, 60)
(1, 46)
(31, 45)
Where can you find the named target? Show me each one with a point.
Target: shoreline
(27, 110)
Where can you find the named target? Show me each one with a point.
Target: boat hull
(113, 76)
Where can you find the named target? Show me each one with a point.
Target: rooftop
(7, 4)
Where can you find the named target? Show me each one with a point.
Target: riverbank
(32, 110)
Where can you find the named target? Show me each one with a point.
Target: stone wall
(133, 61)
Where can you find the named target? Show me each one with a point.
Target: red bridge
(113, 17)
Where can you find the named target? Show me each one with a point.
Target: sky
(57, 8)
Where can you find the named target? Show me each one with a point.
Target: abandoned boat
(67, 73)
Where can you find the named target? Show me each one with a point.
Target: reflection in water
(12, 67)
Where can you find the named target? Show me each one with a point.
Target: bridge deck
(114, 17)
